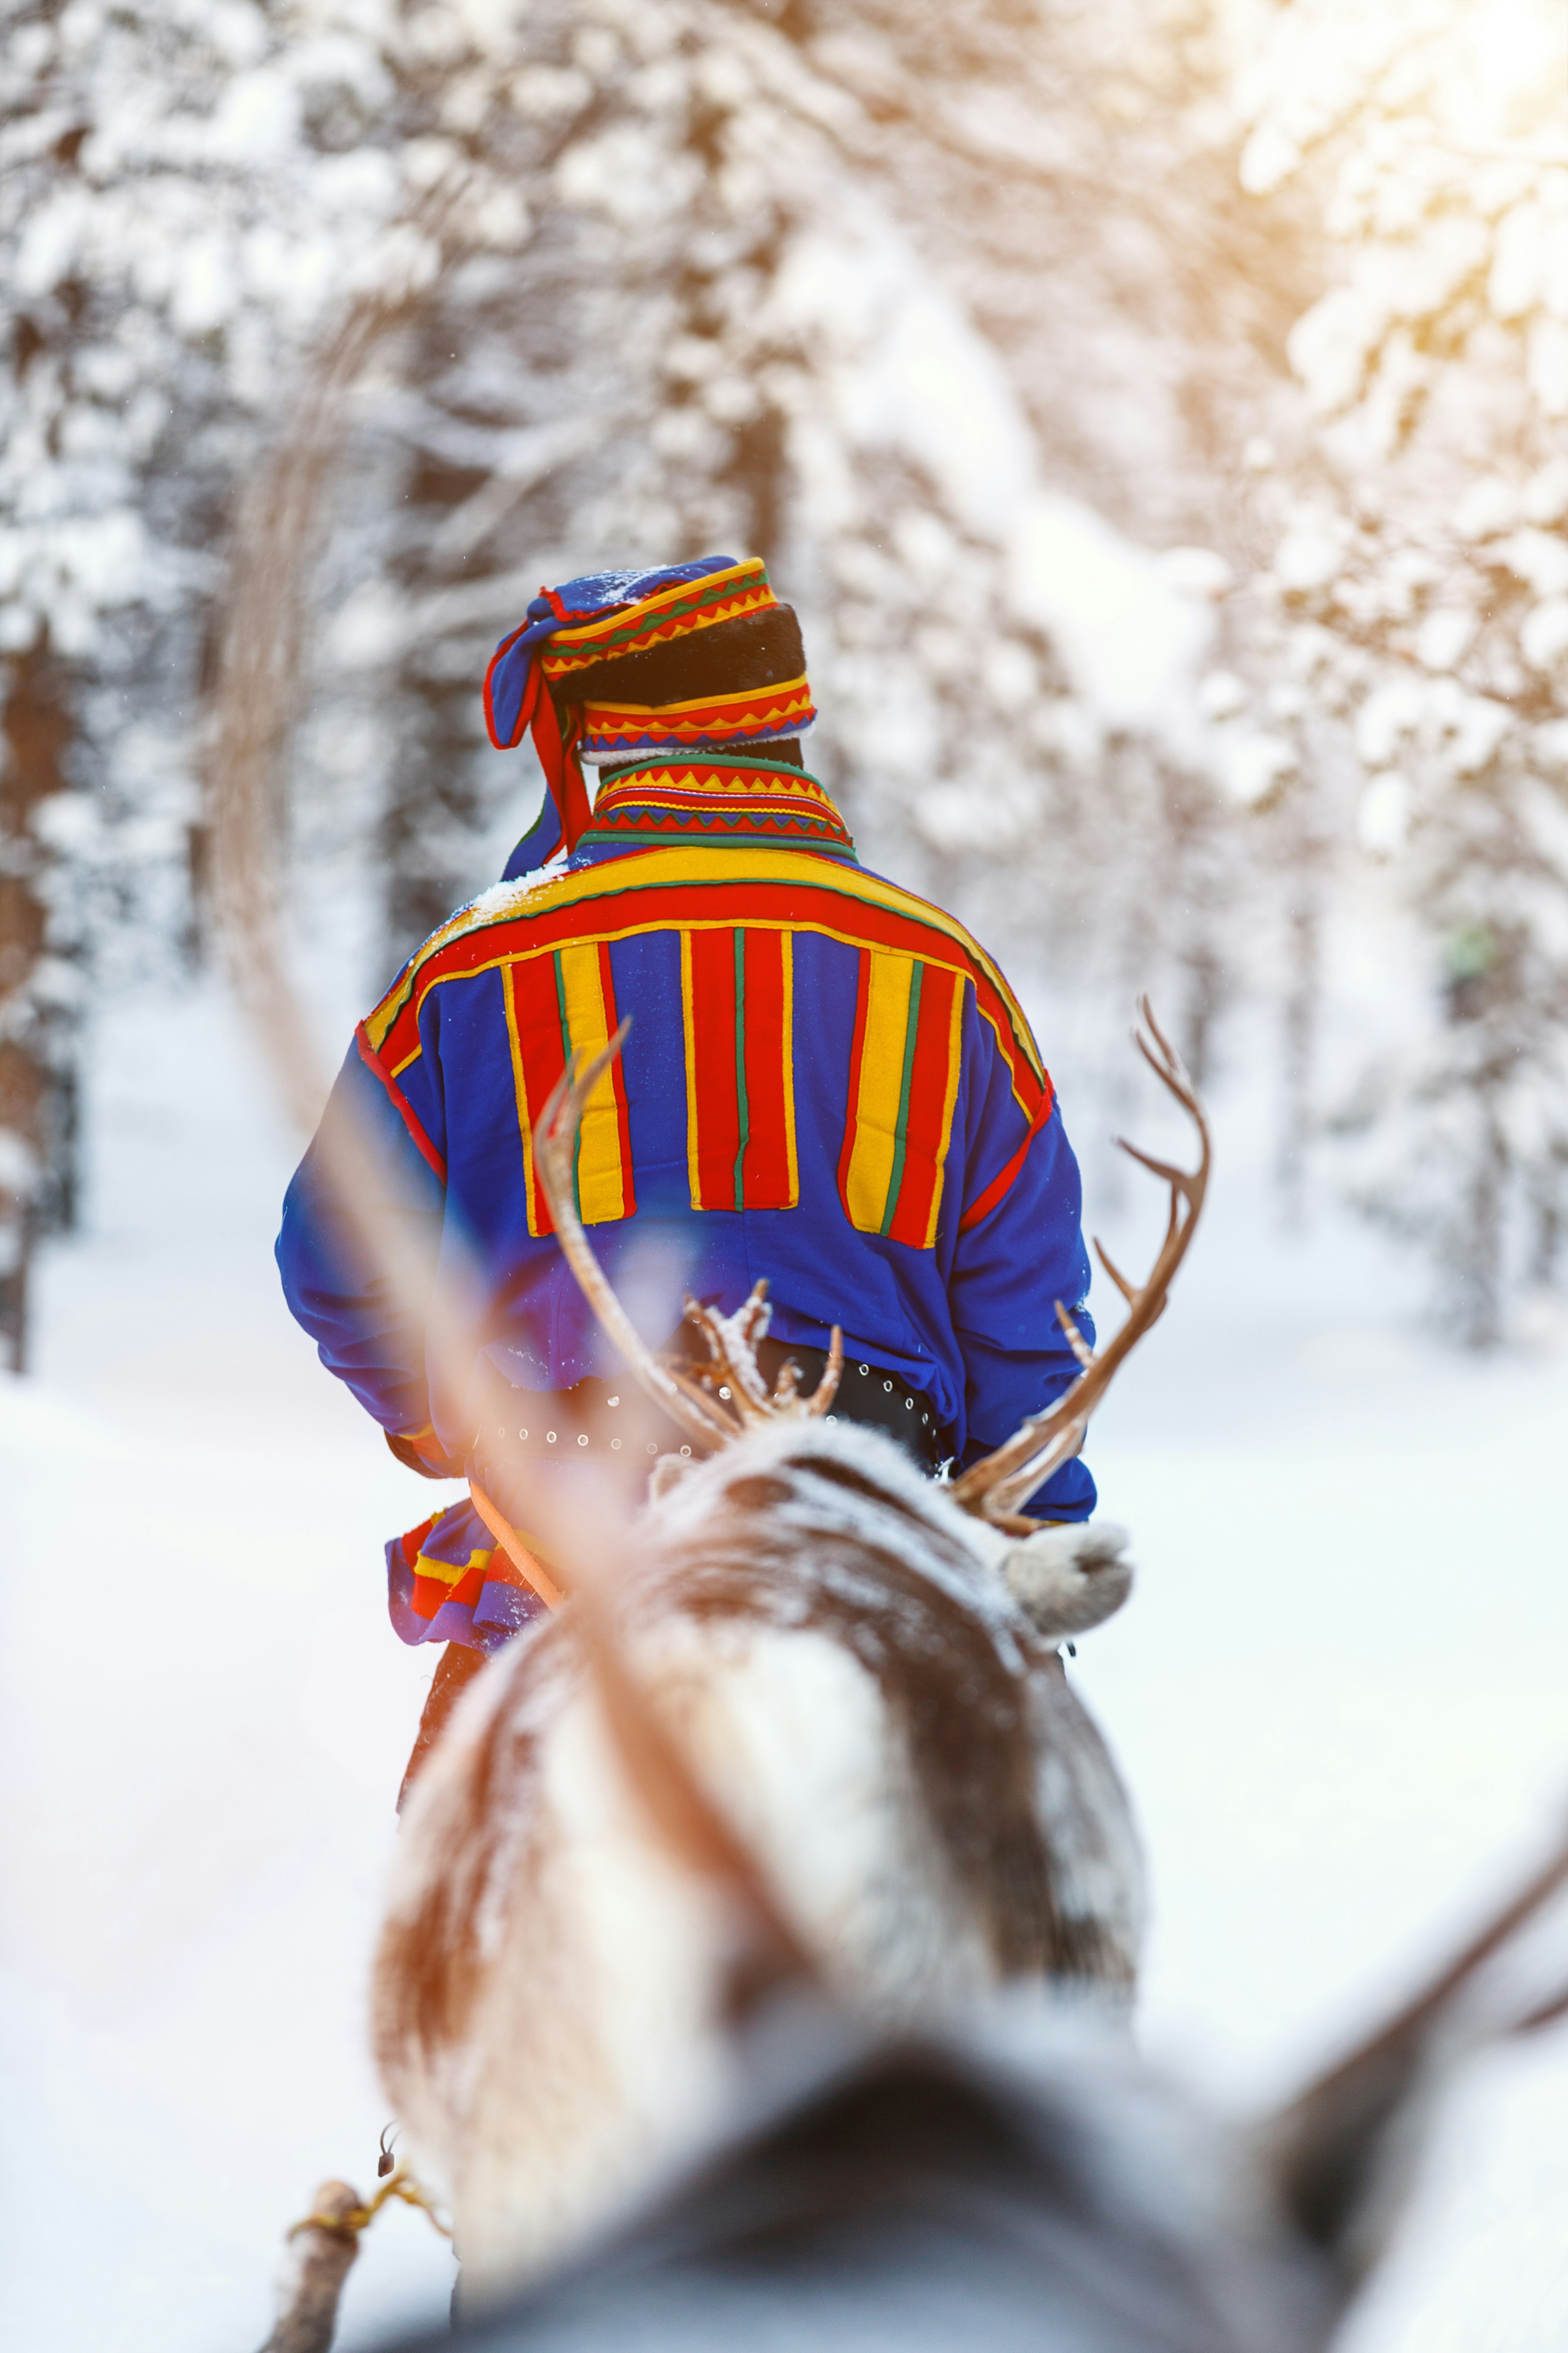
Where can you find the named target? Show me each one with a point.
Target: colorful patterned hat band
(657, 619)
(758, 716)
(599, 619)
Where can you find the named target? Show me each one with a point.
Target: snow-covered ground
(1337, 1695)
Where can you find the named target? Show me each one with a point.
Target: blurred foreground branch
(257, 699)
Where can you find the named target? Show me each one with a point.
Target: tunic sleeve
(1020, 1250)
(372, 1338)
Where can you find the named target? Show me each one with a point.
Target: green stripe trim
(619, 883)
(742, 1108)
(567, 1044)
(627, 836)
(912, 1030)
(718, 590)
(589, 891)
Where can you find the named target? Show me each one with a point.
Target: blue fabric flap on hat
(508, 704)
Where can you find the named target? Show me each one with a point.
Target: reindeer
(858, 1668)
(1014, 2178)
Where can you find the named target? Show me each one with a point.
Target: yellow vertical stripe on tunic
(601, 1191)
(949, 1097)
(870, 1171)
(688, 1024)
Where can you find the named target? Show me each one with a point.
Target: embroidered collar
(721, 803)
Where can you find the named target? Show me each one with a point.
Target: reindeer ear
(1343, 2152)
(1066, 1579)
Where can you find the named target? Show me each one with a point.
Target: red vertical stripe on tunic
(769, 1178)
(712, 1097)
(737, 1001)
(928, 1118)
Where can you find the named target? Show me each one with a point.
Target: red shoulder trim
(404, 1108)
(1003, 1183)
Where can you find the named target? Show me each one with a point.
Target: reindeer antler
(995, 1487)
(713, 1403)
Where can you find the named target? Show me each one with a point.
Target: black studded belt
(870, 1393)
(615, 1421)
(592, 1420)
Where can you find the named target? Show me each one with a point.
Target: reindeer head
(1066, 1579)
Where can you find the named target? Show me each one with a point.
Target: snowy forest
(1157, 413)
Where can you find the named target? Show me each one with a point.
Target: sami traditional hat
(697, 657)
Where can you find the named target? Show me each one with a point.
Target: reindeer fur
(863, 1678)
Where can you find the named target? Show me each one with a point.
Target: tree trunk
(1481, 1242)
(38, 1124)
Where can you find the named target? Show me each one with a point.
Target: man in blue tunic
(827, 1081)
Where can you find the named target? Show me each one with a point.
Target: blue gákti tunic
(826, 1082)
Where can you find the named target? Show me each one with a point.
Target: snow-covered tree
(188, 194)
(1413, 618)
(856, 288)
(941, 310)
